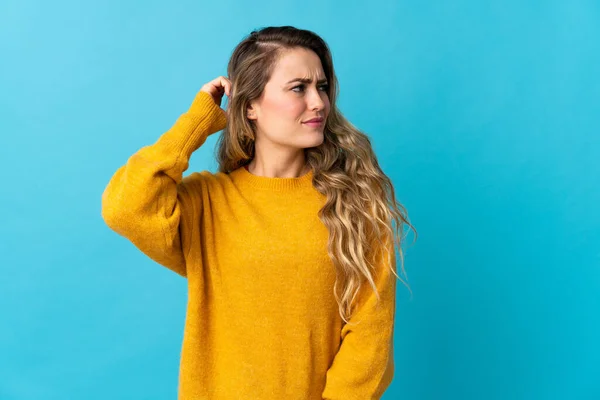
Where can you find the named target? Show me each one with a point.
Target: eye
(323, 87)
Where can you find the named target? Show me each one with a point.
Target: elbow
(108, 215)
(112, 214)
(110, 218)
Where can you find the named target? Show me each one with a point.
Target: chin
(313, 140)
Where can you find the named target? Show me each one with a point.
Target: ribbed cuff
(203, 118)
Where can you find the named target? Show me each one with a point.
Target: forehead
(298, 63)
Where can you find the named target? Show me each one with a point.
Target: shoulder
(206, 180)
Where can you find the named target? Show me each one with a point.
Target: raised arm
(147, 200)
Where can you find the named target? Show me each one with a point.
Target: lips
(314, 120)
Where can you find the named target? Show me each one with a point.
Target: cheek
(284, 108)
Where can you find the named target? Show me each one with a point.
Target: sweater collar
(243, 176)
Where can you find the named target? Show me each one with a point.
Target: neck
(279, 165)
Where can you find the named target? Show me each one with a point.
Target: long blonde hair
(361, 208)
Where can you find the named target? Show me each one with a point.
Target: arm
(147, 200)
(363, 368)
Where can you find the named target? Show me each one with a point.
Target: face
(286, 104)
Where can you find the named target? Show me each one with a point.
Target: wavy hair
(361, 212)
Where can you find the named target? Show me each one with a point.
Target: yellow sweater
(262, 321)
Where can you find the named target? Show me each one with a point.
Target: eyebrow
(306, 80)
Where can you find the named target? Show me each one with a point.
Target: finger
(226, 86)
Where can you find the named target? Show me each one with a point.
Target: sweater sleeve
(363, 368)
(148, 201)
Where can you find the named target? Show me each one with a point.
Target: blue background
(486, 116)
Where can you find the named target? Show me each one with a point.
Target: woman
(288, 249)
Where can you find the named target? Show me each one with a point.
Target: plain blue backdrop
(485, 115)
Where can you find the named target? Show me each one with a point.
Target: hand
(217, 87)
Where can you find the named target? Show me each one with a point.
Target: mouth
(314, 123)
(319, 119)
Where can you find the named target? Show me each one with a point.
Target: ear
(250, 112)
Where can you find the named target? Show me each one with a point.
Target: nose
(315, 101)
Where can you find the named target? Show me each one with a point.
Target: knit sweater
(262, 322)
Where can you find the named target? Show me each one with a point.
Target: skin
(279, 113)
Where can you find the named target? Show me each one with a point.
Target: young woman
(289, 249)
